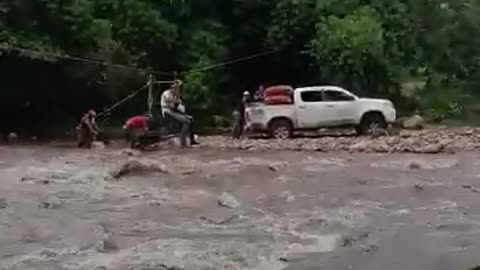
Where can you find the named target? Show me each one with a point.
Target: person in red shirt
(140, 122)
(136, 128)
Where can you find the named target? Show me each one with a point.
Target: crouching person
(87, 130)
(136, 128)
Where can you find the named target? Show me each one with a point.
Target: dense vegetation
(423, 54)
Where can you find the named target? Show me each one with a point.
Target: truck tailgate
(259, 115)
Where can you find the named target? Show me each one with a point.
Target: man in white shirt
(173, 107)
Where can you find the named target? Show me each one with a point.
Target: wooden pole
(150, 100)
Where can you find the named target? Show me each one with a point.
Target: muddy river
(207, 209)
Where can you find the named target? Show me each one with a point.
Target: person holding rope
(173, 107)
(87, 130)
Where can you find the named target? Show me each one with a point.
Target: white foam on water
(322, 244)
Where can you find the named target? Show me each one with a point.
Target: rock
(109, 242)
(272, 168)
(287, 196)
(471, 188)
(158, 202)
(393, 130)
(137, 166)
(131, 152)
(429, 141)
(399, 122)
(219, 219)
(3, 203)
(415, 165)
(346, 241)
(190, 171)
(419, 187)
(359, 147)
(431, 149)
(369, 248)
(379, 132)
(52, 203)
(351, 239)
(227, 200)
(381, 147)
(106, 241)
(160, 266)
(468, 132)
(98, 145)
(48, 253)
(37, 180)
(292, 257)
(276, 166)
(414, 123)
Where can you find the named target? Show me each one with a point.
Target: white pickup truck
(320, 107)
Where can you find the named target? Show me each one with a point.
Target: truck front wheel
(281, 129)
(371, 122)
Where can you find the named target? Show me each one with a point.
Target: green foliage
(373, 47)
(290, 20)
(204, 48)
(442, 98)
(347, 48)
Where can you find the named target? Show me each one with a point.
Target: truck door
(340, 107)
(310, 109)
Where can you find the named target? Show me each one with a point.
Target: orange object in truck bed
(278, 100)
(279, 90)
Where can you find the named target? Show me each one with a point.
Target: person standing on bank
(259, 95)
(173, 107)
(239, 116)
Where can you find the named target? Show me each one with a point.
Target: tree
(374, 47)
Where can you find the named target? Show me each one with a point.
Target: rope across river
(107, 111)
(149, 85)
(9, 48)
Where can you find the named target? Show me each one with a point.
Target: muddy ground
(207, 209)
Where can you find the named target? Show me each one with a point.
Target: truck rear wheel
(370, 123)
(281, 129)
